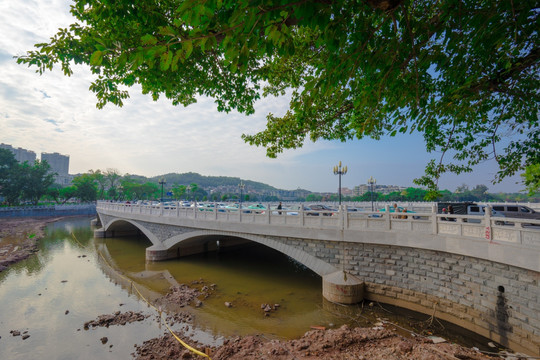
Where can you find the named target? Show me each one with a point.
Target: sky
(54, 113)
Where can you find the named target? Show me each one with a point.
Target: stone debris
(117, 318)
(184, 295)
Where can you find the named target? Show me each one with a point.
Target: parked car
(293, 211)
(257, 208)
(316, 209)
(481, 210)
(517, 211)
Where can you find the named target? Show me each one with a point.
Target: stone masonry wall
(498, 301)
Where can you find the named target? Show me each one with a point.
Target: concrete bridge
(471, 271)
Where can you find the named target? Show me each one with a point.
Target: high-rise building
(60, 165)
(21, 155)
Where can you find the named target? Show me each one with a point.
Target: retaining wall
(48, 211)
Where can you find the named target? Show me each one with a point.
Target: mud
(118, 318)
(343, 343)
(19, 236)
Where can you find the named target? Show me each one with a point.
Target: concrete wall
(47, 211)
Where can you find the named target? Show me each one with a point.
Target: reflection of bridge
(479, 275)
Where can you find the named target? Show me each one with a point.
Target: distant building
(21, 155)
(60, 165)
(383, 189)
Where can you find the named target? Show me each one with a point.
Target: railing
(518, 231)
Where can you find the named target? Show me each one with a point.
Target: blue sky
(53, 113)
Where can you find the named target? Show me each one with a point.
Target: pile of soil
(334, 344)
(184, 295)
(118, 318)
(18, 238)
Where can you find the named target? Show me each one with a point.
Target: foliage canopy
(463, 73)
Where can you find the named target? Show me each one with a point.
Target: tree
(36, 180)
(464, 74)
(12, 185)
(113, 178)
(178, 191)
(86, 187)
(101, 180)
(7, 162)
(193, 187)
(480, 192)
(531, 179)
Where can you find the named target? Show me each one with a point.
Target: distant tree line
(479, 194)
(31, 183)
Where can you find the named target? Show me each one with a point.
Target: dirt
(19, 236)
(343, 343)
(118, 318)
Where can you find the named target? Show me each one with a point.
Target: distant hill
(209, 181)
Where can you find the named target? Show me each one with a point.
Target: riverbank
(19, 236)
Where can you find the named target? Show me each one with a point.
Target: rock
(104, 340)
(67, 312)
(228, 304)
(64, 281)
(25, 336)
(198, 303)
(15, 332)
(267, 308)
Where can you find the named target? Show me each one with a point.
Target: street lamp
(162, 182)
(338, 170)
(188, 189)
(371, 181)
(241, 186)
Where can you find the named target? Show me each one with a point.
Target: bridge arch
(123, 227)
(189, 240)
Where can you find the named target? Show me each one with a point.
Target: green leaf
(97, 58)
(148, 40)
(187, 46)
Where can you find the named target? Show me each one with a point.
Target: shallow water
(74, 279)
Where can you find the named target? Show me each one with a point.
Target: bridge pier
(343, 288)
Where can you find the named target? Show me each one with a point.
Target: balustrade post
(215, 211)
(268, 211)
(434, 219)
(345, 217)
(388, 216)
(302, 214)
(487, 223)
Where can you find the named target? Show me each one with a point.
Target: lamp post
(162, 182)
(338, 170)
(188, 189)
(241, 186)
(371, 181)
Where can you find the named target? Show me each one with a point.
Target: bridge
(474, 271)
